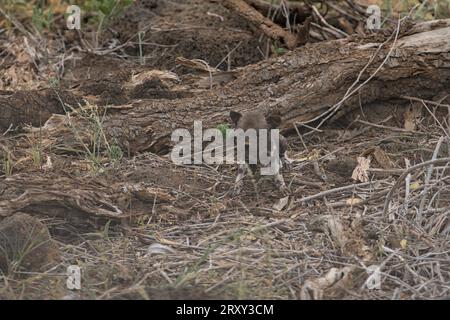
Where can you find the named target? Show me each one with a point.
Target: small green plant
(42, 18)
(115, 153)
(8, 163)
(36, 151)
(279, 50)
(223, 128)
(36, 155)
(94, 143)
(105, 232)
(53, 82)
(141, 49)
(103, 10)
(441, 9)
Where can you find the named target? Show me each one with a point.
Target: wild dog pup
(258, 120)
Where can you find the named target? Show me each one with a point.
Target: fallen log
(96, 199)
(35, 107)
(58, 197)
(309, 84)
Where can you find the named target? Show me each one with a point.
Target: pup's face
(254, 120)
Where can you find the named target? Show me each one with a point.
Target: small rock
(25, 244)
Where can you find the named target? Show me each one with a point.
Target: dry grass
(218, 246)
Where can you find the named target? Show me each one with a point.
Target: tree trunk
(305, 85)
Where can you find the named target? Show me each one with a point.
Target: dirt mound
(194, 29)
(25, 244)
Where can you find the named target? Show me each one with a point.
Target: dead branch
(267, 26)
(403, 176)
(296, 9)
(302, 85)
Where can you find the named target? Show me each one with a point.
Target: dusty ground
(184, 234)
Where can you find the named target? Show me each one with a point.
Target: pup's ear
(273, 120)
(235, 116)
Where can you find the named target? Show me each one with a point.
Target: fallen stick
(327, 192)
(300, 11)
(403, 176)
(427, 179)
(267, 26)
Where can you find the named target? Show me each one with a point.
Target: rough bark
(267, 26)
(302, 84)
(58, 196)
